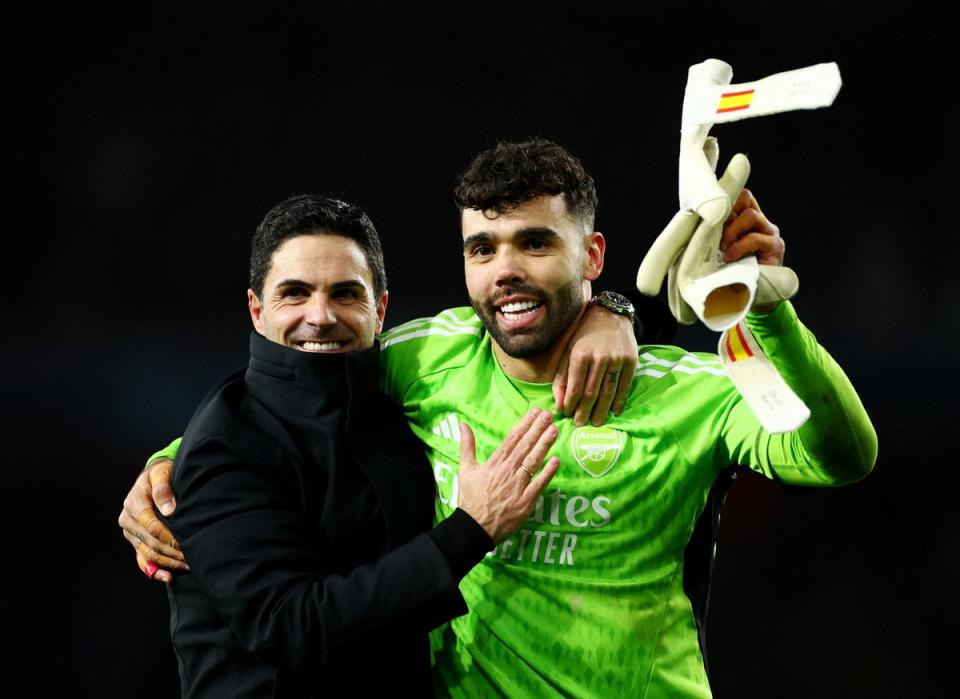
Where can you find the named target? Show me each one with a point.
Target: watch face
(618, 303)
(619, 299)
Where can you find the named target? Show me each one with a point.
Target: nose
(320, 312)
(510, 269)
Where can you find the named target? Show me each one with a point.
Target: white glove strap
(710, 99)
(774, 403)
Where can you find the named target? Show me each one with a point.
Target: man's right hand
(150, 538)
(500, 494)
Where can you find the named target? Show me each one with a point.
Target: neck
(541, 368)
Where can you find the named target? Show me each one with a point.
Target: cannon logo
(597, 449)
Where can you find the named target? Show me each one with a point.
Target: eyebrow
(348, 284)
(344, 284)
(522, 234)
(292, 282)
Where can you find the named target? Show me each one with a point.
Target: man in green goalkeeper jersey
(588, 598)
(592, 597)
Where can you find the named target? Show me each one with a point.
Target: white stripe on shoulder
(700, 366)
(650, 372)
(716, 371)
(395, 339)
(653, 360)
(446, 319)
(449, 314)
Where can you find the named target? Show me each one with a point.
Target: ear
(594, 248)
(381, 311)
(256, 311)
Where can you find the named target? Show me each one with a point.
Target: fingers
(538, 484)
(608, 390)
(591, 391)
(518, 453)
(532, 449)
(560, 383)
(468, 446)
(508, 446)
(136, 532)
(159, 476)
(578, 367)
(153, 571)
(747, 221)
(614, 391)
(769, 249)
(148, 554)
(749, 232)
(157, 529)
(744, 200)
(139, 497)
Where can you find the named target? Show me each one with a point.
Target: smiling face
(318, 296)
(528, 272)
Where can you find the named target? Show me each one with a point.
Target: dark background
(142, 143)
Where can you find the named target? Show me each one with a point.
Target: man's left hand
(748, 232)
(596, 371)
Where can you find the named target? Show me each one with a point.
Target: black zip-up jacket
(304, 508)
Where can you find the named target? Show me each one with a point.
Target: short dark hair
(504, 177)
(312, 214)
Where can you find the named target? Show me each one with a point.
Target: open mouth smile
(519, 313)
(315, 346)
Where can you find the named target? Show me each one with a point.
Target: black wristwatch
(615, 303)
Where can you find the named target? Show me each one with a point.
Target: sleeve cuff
(462, 541)
(168, 452)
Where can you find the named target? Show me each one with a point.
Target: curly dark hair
(504, 177)
(312, 214)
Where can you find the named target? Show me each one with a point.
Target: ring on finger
(526, 470)
(613, 376)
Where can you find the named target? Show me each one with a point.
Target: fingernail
(164, 577)
(166, 508)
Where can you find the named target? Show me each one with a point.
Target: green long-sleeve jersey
(587, 598)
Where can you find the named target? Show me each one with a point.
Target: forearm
(838, 443)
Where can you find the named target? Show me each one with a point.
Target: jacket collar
(308, 384)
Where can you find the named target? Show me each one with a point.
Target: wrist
(615, 303)
(764, 308)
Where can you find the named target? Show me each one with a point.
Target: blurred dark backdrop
(142, 143)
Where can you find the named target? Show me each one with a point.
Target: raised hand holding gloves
(700, 285)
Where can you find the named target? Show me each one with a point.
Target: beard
(562, 308)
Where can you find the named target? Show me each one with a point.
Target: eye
(346, 294)
(296, 292)
(481, 251)
(537, 244)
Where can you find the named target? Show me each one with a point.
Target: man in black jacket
(304, 501)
